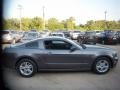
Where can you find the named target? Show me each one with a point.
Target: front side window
(57, 45)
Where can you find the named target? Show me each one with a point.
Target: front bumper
(115, 60)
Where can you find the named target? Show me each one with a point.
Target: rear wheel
(101, 65)
(26, 67)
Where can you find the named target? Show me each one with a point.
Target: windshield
(76, 31)
(90, 33)
(32, 35)
(78, 44)
(60, 35)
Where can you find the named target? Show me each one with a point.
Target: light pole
(20, 13)
(105, 20)
(43, 18)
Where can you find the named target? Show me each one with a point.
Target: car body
(30, 36)
(56, 53)
(107, 38)
(98, 32)
(6, 37)
(118, 36)
(16, 35)
(57, 34)
(45, 33)
(66, 34)
(74, 34)
(89, 37)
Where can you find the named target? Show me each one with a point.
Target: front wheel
(101, 65)
(26, 67)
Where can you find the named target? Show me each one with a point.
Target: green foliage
(70, 23)
(25, 24)
(11, 24)
(36, 23)
(54, 24)
(102, 25)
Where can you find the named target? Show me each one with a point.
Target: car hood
(95, 47)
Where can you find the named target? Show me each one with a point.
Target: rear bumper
(6, 41)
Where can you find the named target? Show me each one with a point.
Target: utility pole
(20, 14)
(43, 18)
(105, 20)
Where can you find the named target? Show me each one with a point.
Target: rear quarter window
(32, 45)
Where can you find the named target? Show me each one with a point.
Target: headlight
(115, 56)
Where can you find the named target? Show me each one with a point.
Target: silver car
(30, 36)
(56, 53)
(6, 37)
(57, 34)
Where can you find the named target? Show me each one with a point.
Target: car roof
(42, 39)
(53, 37)
(48, 37)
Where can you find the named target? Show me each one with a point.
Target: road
(65, 80)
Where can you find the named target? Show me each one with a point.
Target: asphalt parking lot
(65, 80)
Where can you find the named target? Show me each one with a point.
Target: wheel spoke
(102, 66)
(26, 68)
(22, 67)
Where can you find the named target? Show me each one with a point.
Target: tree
(36, 23)
(25, 23)
(98, 25)
(70, 25)
(11, 24)
(53, 24)
(89, 24)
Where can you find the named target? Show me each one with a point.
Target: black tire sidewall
(26, 60)
(97, 60)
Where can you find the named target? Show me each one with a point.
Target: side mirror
(73, 49)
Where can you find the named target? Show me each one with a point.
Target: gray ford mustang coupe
(56, 53)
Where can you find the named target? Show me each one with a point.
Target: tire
(101, 65)
(26, 67)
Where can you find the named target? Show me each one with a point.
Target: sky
(81, 10)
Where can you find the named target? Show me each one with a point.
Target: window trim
(56, 40)
(32, 47)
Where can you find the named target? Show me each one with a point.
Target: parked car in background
(16, 35)
(45, 33)
(107, 38)
(30, 36)
(74, 34)
(81, 37)
(57, 34)
(67, 34)
(88, 38)
(118, 36)
(21, 33)
(33, 30)
(6, 37)
(97, 33)
(56, 53)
